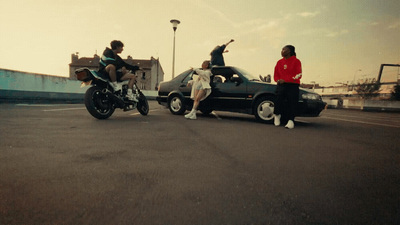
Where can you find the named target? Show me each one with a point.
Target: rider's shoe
(116, 86)
(131, 96)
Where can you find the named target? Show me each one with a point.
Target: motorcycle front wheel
(98, 104)
(143, 105)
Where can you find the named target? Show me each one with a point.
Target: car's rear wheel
(176, 105)
(264, 109)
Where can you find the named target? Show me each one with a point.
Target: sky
(337, 41)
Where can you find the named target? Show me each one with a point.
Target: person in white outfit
(201, 88)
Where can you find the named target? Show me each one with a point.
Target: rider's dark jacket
(109, 57)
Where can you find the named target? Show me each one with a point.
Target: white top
(204, 78)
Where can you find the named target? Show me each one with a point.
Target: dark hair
(292, 50)
(209, 63)
(115, 44)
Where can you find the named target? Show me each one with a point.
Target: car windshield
(183, 77)
(248, 75)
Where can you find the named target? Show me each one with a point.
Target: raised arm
(229, 42)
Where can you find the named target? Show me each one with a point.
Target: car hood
(259, 86)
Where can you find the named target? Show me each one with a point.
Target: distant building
(149, 79)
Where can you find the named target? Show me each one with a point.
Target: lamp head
(175, 24)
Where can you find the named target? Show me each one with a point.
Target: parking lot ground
(59, 165)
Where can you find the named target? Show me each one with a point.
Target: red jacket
(289, 70)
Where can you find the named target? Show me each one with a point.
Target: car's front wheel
(176, 105)
(264, 109)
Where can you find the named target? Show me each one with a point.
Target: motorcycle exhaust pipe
(120, 103)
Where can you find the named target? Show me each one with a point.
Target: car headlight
(311, 96)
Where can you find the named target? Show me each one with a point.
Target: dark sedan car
(233, 90)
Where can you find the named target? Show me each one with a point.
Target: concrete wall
(373, 105)
(20, 86)
(17, 86)
(363, 104)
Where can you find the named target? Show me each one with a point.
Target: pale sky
(334, 39)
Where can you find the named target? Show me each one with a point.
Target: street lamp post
(174, 26)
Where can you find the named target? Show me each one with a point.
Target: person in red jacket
(287, 75)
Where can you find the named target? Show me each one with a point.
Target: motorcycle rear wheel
(98, 104)
(143, 105)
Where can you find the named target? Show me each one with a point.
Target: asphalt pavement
(59, 165)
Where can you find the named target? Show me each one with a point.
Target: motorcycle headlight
(311, 96)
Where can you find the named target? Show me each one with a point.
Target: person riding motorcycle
(117, 69)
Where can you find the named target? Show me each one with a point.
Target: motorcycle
(101, 100)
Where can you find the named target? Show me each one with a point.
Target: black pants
(287, 99)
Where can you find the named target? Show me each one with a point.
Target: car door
(183, 88)
(230, 92)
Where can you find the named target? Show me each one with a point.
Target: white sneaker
(277, 120)
(131, 96)
(290, 124)
(193, 116)
(116, 86)
(190, 115)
